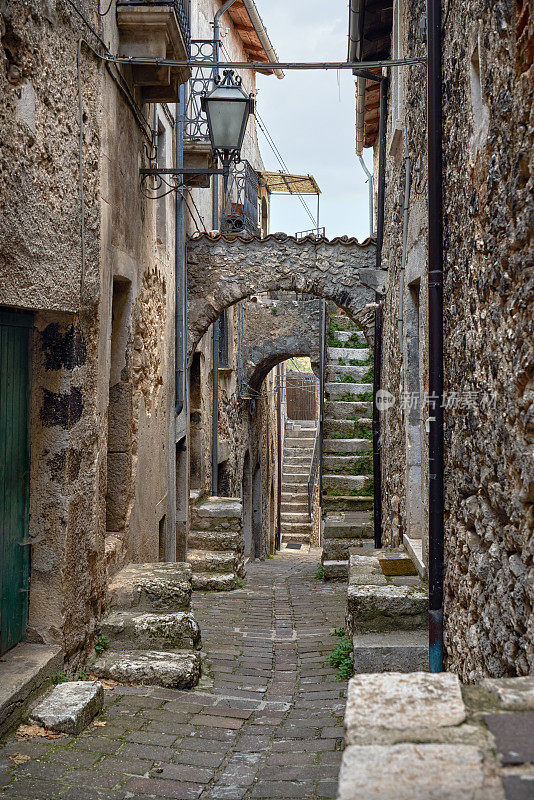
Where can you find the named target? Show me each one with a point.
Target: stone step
(298, 507)
(343, 529)
(294, 496)
(346, 428)
(128, 630)
(299, 478)
(349, 465)
(344, 336)
(391, 651)
(214, 582)
(374, 609)
(304, 538)
(347, 503)
(151, 587)
(335, 570)
(298, 452)
(297, 527)
(339, 409)
(217, 513)
(173, 669)
(345, 446)
(342, 322)
(214, 540)
(339, 549)
(212, 561)
(336, 372)
(356, 353)
(294, 461)
(295, 516)
(345, 483)
(304, 442)
(300, 433)
(295, 469)
(336, 389)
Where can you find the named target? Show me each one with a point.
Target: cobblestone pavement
(269, 724)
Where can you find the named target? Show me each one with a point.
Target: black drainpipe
(435, 337)
(377, 459)
(179, 261)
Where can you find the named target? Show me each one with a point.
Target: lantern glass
(227, 109)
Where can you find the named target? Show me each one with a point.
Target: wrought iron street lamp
(227, 108)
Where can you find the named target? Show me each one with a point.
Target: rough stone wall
(274, 330)
(489, 338)
(488, 320)
(41, 269)
(77, 384)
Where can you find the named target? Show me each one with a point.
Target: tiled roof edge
(281, 237)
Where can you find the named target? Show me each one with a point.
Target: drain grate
(293, 546)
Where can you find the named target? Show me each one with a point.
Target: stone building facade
(91, 259)
(488, 336)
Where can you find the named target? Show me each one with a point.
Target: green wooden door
(14, 476)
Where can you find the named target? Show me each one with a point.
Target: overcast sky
(311, 116)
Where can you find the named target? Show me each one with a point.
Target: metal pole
(371, 195)
(377, 455)
(318, 197)
(278, 538)
(435, 337)
(215, 412)
(322, 369)
(179, 259)
(377, 460)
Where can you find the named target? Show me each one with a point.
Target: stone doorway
(246, 496)
(119, 449)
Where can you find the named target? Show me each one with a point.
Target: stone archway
(222, 269)
(275, 330)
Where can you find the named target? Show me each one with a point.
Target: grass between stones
(343, 657)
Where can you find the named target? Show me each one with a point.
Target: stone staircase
(296, 525)
(347, 446)
(387, 612)
(215, 544)
(153, 635)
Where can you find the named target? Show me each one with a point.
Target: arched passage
(223, 269)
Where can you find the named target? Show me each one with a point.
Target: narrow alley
(266, 724)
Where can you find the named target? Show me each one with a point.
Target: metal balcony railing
(183, 13)
(317, 233)
(241, 203)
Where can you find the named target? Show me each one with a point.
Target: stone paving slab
(269, 727)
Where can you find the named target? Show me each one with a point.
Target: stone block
(69, 707)
(216, 561)
(384, 608)
(173, 669)
(133, 631)
(215, 540)
(217, 508)
(23, 671)
(415, 772)
(396, 651)
(214, 582)
(347, 445)
(335, 570)
(345, 483)
(396, 564)
(512, 694)
(403, 701)
(149, 587)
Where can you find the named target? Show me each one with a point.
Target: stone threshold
(24, 672)
(414, 548)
